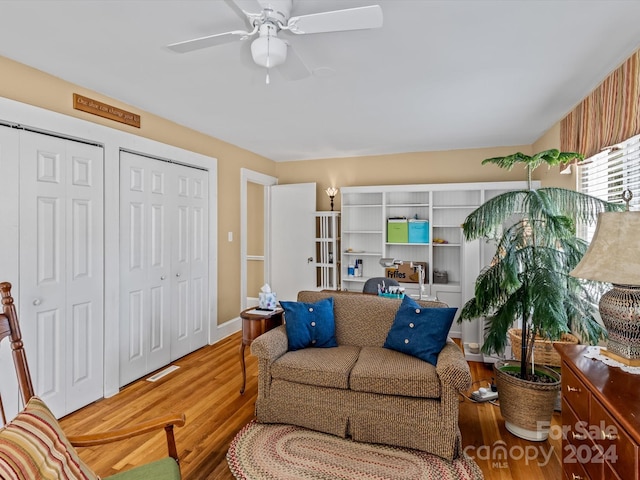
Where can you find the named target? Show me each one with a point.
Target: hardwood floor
(207, 389)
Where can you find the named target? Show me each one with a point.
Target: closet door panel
(199, 264)
(157, 251)
(43, 304)
(84, 272)
(9, 263)
(190, 261)
(61, 268)
(144, 267)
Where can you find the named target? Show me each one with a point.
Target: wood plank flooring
(207, 389)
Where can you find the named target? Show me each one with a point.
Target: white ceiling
(438, 75)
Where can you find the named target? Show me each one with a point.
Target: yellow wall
(453, 166)
(27, 85)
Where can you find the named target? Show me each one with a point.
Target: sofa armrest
(452, 367)
(271, 345)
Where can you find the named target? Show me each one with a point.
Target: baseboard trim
(226, 329)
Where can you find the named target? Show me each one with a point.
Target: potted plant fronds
(528, 279)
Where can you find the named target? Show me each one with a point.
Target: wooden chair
(33, 466)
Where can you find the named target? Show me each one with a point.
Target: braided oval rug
(285, 452)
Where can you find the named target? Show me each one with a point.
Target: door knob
(162, 277)
(37, 302)
(310, 260)
(177, 274)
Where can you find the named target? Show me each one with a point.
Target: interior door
(61, 268)
(163, 263)
(292, 239)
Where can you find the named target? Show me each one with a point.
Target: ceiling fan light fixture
(268, 51)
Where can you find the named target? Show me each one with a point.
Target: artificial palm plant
(528, 278)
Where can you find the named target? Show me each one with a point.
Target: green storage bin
(397, 231)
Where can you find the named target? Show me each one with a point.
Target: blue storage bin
(418, 231)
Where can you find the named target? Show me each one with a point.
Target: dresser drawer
(575, 430)
(579, 445)
(619, 450)
(575, 471)
(575, 393)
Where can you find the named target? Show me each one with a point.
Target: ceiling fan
(273, 16)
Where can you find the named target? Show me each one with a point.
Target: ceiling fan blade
(246, 9)
(293, 68)
(338, 20)
(209, 41)
(252, 6)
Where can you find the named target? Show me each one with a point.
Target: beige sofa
(360, 389)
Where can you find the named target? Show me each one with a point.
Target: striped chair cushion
(32, 446)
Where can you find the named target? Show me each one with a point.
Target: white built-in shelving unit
(365, 211)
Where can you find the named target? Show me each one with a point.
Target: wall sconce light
(332, 192)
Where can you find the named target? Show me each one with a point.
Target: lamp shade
(331, 191)
(268, 51)
(614, 253)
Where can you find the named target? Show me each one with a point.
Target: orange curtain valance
(609, 115)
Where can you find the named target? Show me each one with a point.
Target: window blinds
(609, 173)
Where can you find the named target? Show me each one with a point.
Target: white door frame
(252, 176)
(14, 112)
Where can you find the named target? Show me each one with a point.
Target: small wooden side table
(254, 325)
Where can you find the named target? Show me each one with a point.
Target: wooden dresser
(600, 418)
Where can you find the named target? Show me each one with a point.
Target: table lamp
(614, 257)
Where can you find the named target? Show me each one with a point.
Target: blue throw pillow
(310, 324)
(419, 331)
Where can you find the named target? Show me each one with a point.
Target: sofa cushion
(324, 367)
(310, 324)
(33, 446)
(418, 331)
(380, 370)
(361, 319)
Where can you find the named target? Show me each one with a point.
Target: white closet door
(61, 268)
(145, 260)
(9, 240)
(163, 263)
(189, 261)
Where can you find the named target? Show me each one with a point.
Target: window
(609, 173)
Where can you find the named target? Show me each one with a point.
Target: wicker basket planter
(543, 351)
(527, 407)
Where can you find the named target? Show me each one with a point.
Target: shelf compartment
(454, 198)
(407, 198)
(363, 254)
(450, 216)
(407, 243)
(361, 199)
(452, 234)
